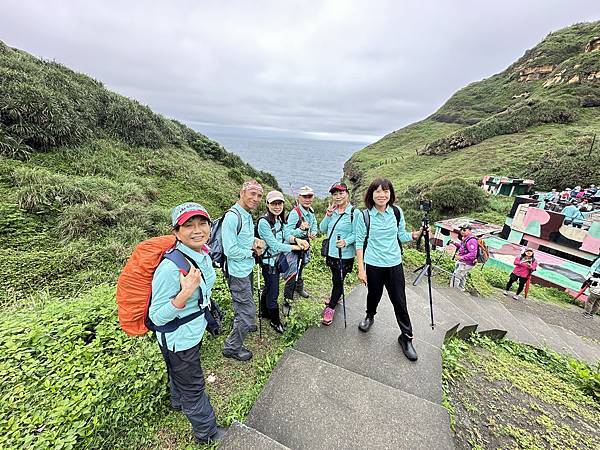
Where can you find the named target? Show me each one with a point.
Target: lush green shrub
(557, 169)
(72, 379)
(516, 118)
(456, 196)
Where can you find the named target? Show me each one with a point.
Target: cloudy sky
(340, 69)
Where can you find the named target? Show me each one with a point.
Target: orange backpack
(134, 286)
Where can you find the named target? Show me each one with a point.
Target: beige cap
(275, 195)
(306, 190)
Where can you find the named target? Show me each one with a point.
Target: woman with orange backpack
(177, 314)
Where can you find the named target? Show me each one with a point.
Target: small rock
(211, 378)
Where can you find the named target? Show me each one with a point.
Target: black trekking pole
(259, 302)
(342, 279)
(298, 269)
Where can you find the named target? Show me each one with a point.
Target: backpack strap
(367, 219)
(334, 225)
(177, 257)
(265, 217)
(184, 264)
(239, 216)
(300, 215)
(398, 215)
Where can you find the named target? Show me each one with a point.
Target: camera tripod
(427, 268)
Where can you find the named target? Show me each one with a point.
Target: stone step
(376, 354)
(515, 330)
(356, 304)
(585, 351)
(242, 437)
(542, 331)
(471, 306)
(445, 312)
(309, 404)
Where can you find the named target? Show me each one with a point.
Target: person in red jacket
(524, 267)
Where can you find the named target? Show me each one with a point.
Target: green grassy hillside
(86, 174)
(536, 119)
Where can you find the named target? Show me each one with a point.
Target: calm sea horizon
(295, 162)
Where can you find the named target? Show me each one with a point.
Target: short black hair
(386, 185)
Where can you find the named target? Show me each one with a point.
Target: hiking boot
(303, 293)
(506, 293)
(407, 347)
(328, 314)
(299, 288)
(516, 297)
(219, 434)
(278, 327)
(366, 324)
(241, 355)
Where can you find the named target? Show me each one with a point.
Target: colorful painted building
(565, 253)
(507, 186)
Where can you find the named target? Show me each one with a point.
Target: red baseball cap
(341, 186)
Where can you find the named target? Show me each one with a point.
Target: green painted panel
(534, 228)
(515, 237)
(594, 230)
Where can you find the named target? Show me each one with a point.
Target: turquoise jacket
(275, 239)
(165, 286)
(290, 226)
(573, 213)
(383, 249)
(238, 247)
(344, 228)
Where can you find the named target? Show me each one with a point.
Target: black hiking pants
(512, 279)
(337, 277)
(392, 278)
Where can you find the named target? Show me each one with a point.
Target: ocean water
(294, 162)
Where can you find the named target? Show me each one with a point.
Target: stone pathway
(341, 388)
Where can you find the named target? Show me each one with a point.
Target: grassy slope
(487, 110)
(85, 175)
(508, 395)
(61, 242)
(395, 155)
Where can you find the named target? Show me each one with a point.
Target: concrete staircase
(341, 388)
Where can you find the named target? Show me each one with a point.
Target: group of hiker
(181, 310)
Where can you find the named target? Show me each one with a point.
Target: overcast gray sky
(340, 69)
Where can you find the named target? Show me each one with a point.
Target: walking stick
(342, 278)
(582, 290)
(527, 285)
(259, 302)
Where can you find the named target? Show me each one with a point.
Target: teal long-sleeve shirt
(238, 247)
(274, 238)
(383, 249)
(166, 285)
(293, 217)
(344, 228)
